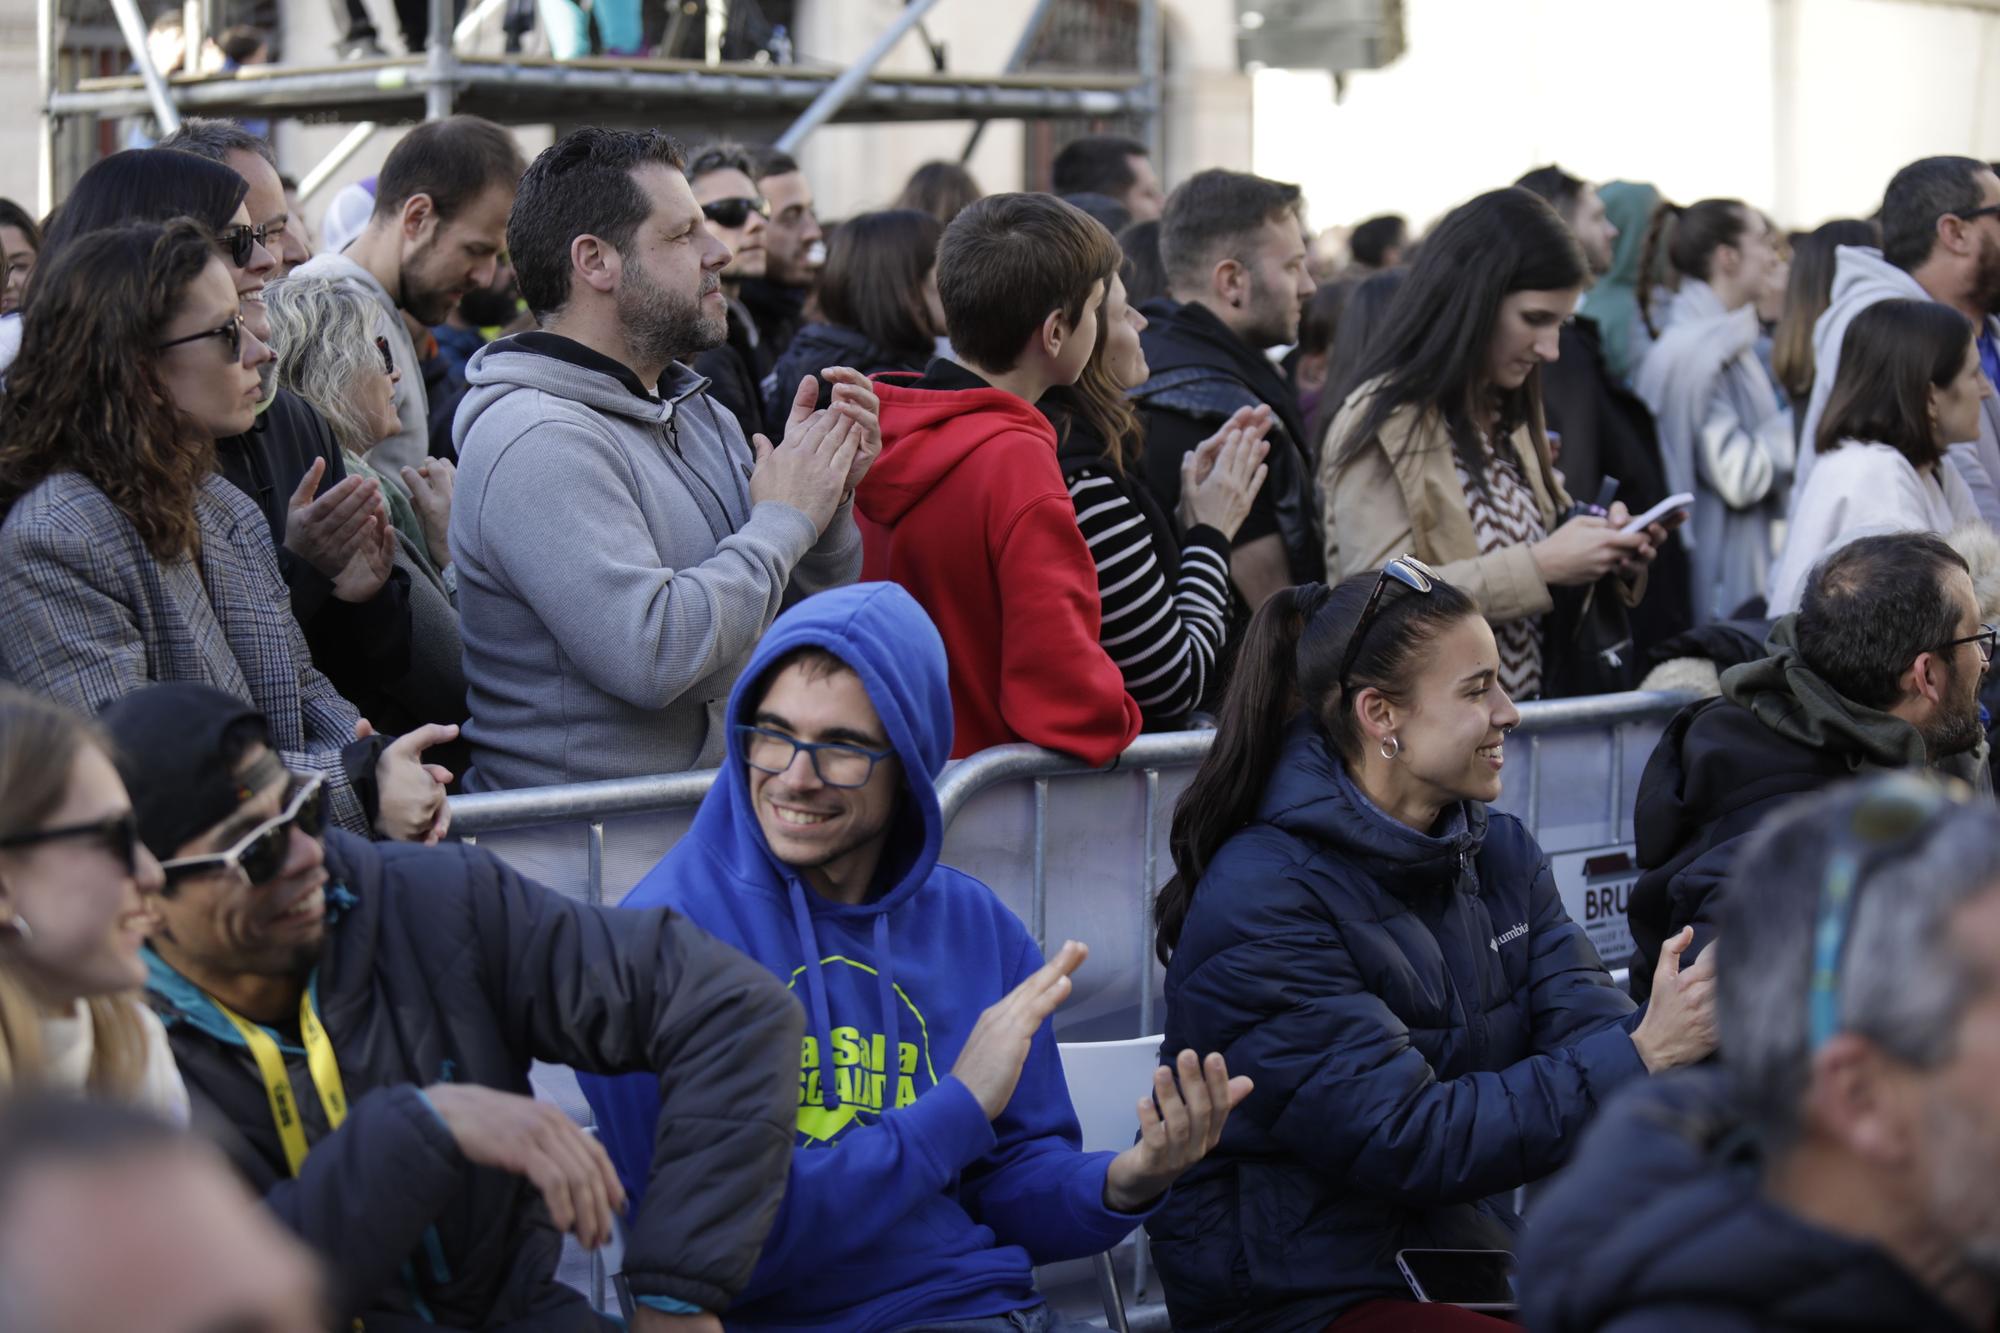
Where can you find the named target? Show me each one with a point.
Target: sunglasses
(231, 333)
(1895, 817)
(240, 241)
(733, 213)
(388, 357)
(1991, 210)
(118, 835)
(260, 853)
(1409, 572)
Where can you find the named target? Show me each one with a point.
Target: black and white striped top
(1165, 642)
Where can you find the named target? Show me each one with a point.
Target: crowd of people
(622, 462)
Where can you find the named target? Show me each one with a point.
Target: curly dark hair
(85, 394)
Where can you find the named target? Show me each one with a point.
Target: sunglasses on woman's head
(733, 213)
(118, 835)
(231, 333)
(1407, 570)
(260, 854)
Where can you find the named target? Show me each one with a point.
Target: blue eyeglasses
(1897, 816)
(837, 764)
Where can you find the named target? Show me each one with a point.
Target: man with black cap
(297, 967)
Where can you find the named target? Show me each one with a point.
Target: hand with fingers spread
(430, 489)
(410, 794)
(854, 394)
(1180, 1122)
(1221, 476)
(808, 471)
(534, 1139)
(326, 531)
(372, 560)
(1679, 1026)
(990, 1062)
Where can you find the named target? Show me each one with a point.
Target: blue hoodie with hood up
(904, 1204)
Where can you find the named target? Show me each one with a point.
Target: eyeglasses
(240, 240)
(1896, 816)
(118, 835)
(1407, 570)
(1988, 640)
(260, 853)
(837, 765)
(1971, 213)
(733, 213)
(231, 333)
(388, 357)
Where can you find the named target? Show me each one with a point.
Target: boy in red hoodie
(966, 506)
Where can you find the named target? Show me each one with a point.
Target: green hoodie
(1788, 697)
(1614, 301)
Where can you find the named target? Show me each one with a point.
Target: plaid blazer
(87, 615)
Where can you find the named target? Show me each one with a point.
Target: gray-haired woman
(333, 353)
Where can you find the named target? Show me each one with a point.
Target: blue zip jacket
(904, 1204)
(1427, 1030)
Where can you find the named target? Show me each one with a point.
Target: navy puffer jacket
(1427, 1030)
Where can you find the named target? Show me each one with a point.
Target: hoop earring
(1390, 747)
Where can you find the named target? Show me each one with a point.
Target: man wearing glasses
(355, 1027)
(1940, 242)
(1879, 669)
(739, 217)
(937, 1153)
(1839, 1173)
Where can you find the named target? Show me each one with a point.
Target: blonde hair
(39, 743)
(324, 332)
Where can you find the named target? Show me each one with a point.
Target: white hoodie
(1861, 277)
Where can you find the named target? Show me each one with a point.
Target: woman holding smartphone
(1388, 960)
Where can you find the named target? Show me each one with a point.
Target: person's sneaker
(359, 48)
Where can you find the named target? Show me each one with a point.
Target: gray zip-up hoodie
(613, 574)
(1861, 277)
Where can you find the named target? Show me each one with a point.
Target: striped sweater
(1165, 611)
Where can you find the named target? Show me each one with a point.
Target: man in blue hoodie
(923, 1195)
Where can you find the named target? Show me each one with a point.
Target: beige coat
(1400, 495)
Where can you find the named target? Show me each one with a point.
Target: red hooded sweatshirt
(966, 508)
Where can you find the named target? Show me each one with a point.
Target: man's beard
(1271, 327)
(426, 303)
(1961, 1198)
(1986, 281)
(661, 327)
(1956, 727)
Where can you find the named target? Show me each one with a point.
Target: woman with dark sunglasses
(125, 558)
(74, 888)
(1390, 963)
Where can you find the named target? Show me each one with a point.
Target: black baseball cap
(178, 746)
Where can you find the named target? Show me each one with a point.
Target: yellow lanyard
(320, 1062)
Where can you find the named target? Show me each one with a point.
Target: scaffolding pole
(1152, 79)
(134, 29)
(841, 89)
(1022, 49)
(45, 75)
(442, 66)
(350, 144)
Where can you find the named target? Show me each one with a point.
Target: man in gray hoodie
(1940, 242)
(621, 546)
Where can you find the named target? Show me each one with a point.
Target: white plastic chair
(1106, 1080)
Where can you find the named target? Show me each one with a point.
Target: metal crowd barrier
(1077, 852)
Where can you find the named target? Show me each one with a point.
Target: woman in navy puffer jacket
(1388, 960)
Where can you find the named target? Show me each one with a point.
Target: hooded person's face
(830, 832)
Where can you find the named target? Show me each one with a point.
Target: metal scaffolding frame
(520, 90)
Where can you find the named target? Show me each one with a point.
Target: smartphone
(1475, 1279)
(1671, 504)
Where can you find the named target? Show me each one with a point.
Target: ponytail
(1261, 698)
(1649, 256)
